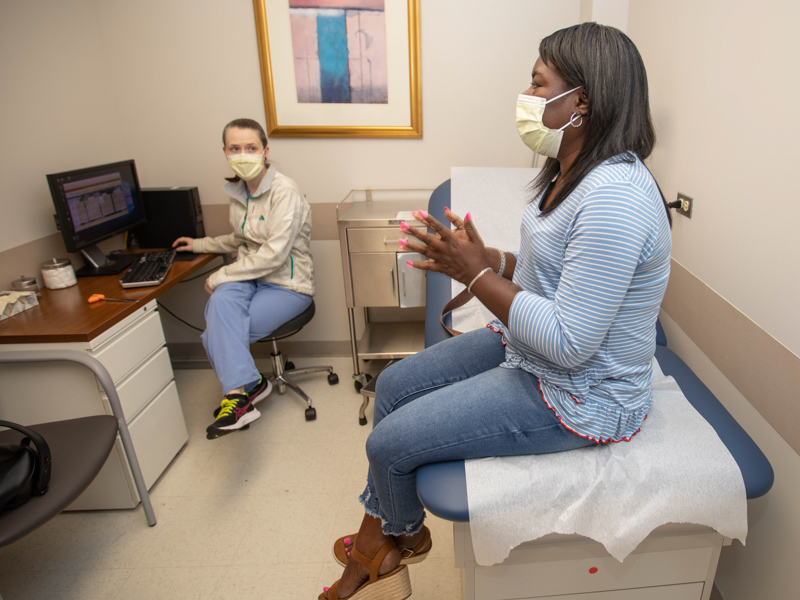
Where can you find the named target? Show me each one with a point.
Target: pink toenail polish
(325, 589)
(346, 540)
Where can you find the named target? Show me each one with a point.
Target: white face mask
(531, 128)
(246, 166)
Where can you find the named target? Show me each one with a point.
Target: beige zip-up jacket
(271, 236)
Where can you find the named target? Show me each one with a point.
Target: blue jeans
(451, 401)
(239, 313)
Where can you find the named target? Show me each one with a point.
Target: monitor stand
(98, 264)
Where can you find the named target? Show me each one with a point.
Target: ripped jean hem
(368, 501)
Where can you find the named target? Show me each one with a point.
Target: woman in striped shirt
(567, 361)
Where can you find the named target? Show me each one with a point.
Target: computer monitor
(94, 204)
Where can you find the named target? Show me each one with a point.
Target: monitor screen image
(94, 204)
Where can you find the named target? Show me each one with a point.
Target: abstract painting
(340, 68)
(339, 49)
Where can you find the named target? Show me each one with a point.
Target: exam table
(676, 562)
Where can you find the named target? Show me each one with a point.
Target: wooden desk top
(66, 316)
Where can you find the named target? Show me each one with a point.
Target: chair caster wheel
(333, 379)
(362, 420)
(311, 413)
(288, 366)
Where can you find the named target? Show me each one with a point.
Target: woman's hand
(183, 244)
(459, 254)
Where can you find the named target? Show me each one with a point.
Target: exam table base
(676, 562)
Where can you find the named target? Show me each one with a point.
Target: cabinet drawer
(125, 351)
(142, 384)
(592, 574)
(687, 591)
(375, 239)
(158, 433)
(374, 278)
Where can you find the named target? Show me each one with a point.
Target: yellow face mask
(246, 166)
(531, 128)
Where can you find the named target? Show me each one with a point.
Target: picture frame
(329, 70)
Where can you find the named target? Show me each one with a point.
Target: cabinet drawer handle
(388, 242)
(391, 274)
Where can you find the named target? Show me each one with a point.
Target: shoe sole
(392, 586)
(214, 432)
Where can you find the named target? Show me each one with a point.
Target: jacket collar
(238, 189)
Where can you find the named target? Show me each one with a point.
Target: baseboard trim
(193, 355)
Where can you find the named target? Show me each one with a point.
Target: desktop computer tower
(171, 213)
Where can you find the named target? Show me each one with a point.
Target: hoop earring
(575, 117)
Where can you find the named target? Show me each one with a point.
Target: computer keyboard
(149, 270)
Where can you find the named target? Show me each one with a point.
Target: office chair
(79, 449)
(279, 368)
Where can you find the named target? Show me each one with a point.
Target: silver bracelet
(502, 263)
(478, 276)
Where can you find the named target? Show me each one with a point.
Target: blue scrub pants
(239, 313)
(451, 401)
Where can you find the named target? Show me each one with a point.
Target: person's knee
(378, 449)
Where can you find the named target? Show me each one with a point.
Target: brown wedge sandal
(408, 556)
(395, 585)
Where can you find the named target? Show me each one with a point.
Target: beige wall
(718, 72)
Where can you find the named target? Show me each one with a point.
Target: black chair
(279, 367)
(79, 449)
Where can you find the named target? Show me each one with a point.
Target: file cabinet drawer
(143, 383)
(122, 353)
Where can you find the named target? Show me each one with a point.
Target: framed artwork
(340, 68)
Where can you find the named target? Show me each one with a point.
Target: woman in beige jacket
(270, 282)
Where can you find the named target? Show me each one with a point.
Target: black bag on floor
(24, 468)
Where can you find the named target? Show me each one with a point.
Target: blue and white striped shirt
(593, 273)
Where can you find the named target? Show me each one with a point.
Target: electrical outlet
(686, 205)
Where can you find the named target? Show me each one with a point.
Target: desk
(127, 338)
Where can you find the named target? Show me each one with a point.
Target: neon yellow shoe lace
(226, 408)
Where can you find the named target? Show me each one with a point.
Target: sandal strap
(409, 552)
(374, 563)
(333, 591)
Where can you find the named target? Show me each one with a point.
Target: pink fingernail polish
(446, 208)
(468, 217)
(410, 264)
(402, 243)
(423, 213)
(403, 226)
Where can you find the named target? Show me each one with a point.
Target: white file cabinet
(376, 275)
(135, 354)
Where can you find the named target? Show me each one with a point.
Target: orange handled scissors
(98, 297)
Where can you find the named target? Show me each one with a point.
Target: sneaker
(257, 394)
(261, 391)
(236, 412)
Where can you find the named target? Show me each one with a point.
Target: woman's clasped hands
(459, 253)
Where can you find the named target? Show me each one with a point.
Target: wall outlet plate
(686, 206)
